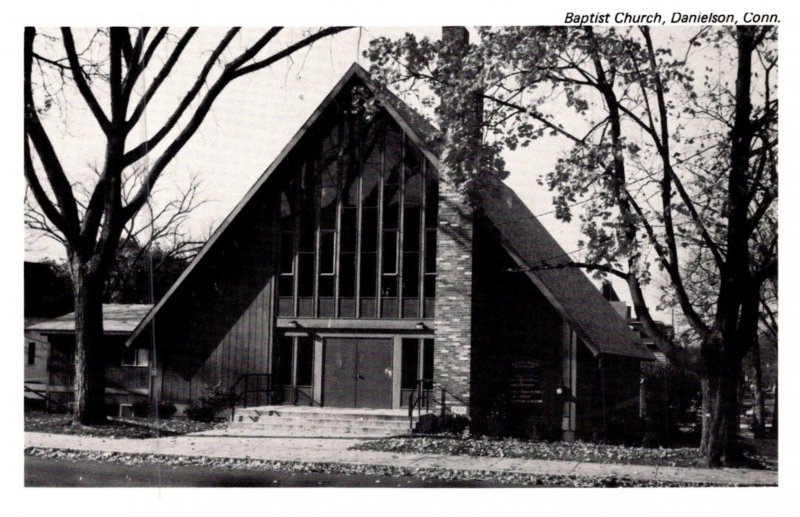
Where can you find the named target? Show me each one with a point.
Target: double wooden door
(358, 373)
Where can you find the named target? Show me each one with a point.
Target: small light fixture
(420, 326)
(294, 324)
(563, 391)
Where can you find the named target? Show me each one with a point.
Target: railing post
(420, 388)
(443, 402)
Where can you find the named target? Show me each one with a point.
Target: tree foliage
(670, 171)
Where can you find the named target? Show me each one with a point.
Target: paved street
(41, 472)
(311, 450)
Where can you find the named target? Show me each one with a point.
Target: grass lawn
(758, 454)
(41, 422)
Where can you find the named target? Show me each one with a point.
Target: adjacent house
(46, 295)
(635, 323)
(128, 369)
(350, 276)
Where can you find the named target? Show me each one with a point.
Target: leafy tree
(138, 275)
(671, 158)
(115, 75)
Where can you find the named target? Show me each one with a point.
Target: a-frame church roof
(570, 292)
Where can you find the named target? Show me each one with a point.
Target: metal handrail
(46, 397)
(420, 397)
(236, 397)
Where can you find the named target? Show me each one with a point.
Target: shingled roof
(118, 318)
(568, 289)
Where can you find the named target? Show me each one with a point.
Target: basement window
(126, 411)
(135, 357)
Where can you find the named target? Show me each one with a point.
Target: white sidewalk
(322, 450)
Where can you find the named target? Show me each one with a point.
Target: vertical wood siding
(219, 325)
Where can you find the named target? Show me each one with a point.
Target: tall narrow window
(370, 197)
(288, 206)
(410, 363)
(305, 361)
(348, 238)
(417, 365)
(328, 203)
(306, 243)
(31, 353)
(431, 221)
(390, 274)
(357, 225)
(427, 362)
(282, 361)
(412, 228)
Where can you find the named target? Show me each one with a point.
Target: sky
(254, 118)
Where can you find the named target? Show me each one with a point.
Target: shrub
(144, 409)
(141, 409)
(453, 424)
(208, 406)
(166, 410)
(449, 423)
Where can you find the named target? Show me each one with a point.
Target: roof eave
(593, 347)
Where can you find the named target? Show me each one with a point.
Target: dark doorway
(358, 373)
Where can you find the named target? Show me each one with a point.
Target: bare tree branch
(162, 74)
(143, 148)
(329, 31)
(231, 72)
(68, 218)
(80, 82)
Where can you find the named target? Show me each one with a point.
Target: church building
(351, 276)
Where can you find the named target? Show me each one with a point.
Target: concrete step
(300, 420)
(323, 413)
(324, 430)
(303, 433)
(320, 422)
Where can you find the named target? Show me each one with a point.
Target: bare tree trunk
(720, 431)
(774, 431)
(736, 324)
(89, 354)
(758, 393)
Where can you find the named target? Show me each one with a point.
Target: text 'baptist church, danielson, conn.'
(656, 18)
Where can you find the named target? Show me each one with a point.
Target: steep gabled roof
(118, 318)
(569, 290)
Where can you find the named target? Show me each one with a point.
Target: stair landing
(322, 422)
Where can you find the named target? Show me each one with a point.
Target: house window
(135, 357)
(31, 353)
